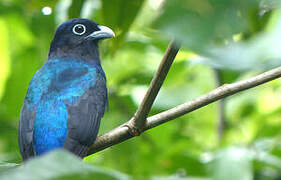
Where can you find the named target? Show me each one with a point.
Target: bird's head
(78, 35)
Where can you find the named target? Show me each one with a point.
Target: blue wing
(63, 107)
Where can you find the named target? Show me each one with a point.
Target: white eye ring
(74, 30)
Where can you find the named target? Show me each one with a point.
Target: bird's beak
(103, 33)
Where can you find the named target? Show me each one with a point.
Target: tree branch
(122, 132)
(139, 119)
(222, 121)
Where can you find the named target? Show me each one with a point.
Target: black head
(78, 37)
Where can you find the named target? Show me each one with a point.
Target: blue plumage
(66, 98)
(59, 83)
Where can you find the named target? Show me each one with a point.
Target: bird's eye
(79, 29)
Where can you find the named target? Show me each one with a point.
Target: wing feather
(25, 132)
(84, 118)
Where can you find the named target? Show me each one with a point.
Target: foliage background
(223, 41)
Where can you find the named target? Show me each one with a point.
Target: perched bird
(66, 98)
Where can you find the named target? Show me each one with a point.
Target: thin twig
(139, 119)
(122, 132)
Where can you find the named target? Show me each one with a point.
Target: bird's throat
(86, 51)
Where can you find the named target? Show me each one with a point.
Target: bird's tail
(76, 148)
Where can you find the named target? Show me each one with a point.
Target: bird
(67, 96)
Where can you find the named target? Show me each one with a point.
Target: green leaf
(6, 166)
(179, 178)
(74, 10)
(263, 148)
(270, 4)
(4, 56)
(232, 164)
(119, 15)
(60, 165)
(199, 23)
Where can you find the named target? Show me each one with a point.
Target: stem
(139, 119)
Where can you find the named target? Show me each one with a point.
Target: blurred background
(223, 41)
